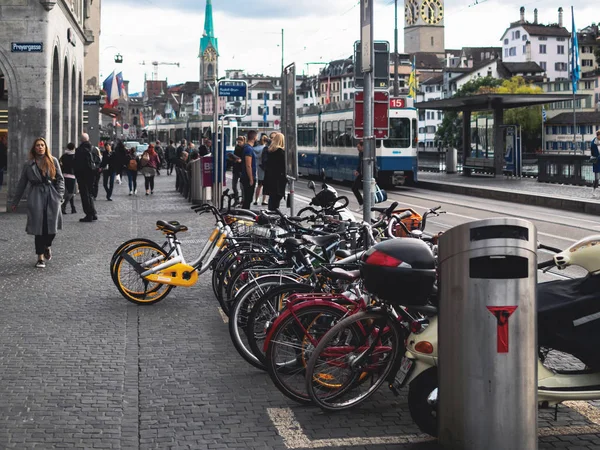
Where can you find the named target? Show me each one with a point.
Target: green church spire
(208, 35)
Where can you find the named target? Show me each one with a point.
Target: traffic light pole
(369, 87)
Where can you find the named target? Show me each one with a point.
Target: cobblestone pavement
(80, 367)
(524, 185)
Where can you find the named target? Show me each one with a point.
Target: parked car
(141, 148)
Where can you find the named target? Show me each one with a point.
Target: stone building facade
(42, 49)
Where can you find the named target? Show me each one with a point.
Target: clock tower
(424, 26)
(209, 51)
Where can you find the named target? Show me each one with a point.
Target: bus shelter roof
(487, 102)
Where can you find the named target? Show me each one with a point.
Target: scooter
(329, 201)
(568, 321)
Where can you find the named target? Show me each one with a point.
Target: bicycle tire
(242, 307)
(122, 247)
(266, 310)
(130, 283)
(243, 273)
(344, 392)
(288, 370)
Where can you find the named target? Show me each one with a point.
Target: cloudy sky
(315, 31)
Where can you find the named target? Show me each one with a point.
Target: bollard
(488, 336)
(451, 160)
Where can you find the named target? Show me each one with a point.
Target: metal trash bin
(196, 181)
(488, 336)
(451, 160)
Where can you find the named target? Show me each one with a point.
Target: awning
(486, 102)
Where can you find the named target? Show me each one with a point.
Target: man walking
(248, 175)
(86, 164)
(171, 157)
(358, 177)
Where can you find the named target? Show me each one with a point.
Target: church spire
(208, 35)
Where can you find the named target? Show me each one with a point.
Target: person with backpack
(132, 170)
(86, 165)
(261, 156)
(149, 162)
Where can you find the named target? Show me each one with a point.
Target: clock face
(210, 54)
(432, 11)
(411, 12)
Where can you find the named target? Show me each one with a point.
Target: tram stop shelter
(496, 103)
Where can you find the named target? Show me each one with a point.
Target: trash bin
(488, 336)
(451, 160)
(196, 182)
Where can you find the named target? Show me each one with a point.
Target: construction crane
(156, 64)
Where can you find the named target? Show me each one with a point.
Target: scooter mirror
(323, 174)
(311, 185)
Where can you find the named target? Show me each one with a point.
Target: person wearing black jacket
(275, 178)
(110, 165)
(171, 156)
(358, 176)
(235, 159)
(86, 164)
(67, 162)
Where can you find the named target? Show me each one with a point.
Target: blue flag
(265, 109)
(575, 67)
(544, 114)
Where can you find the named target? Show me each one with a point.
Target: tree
(529, 118)
(449, 133)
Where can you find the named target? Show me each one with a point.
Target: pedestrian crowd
(257, 163)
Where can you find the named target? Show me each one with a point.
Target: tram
(325, 141)
(194, 131)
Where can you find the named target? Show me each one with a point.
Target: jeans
(132, 179)
(86, 185)
(248, 194)
(44, 240)
(234, 184)
(108, 182)
(149, 182)
(355, 188)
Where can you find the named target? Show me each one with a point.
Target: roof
(480, 54)
(523, 67)
(538, 29)
(486, 102)
(427, 61)
(580, 117)
(435, 79)
(264, 85)
(208, 36)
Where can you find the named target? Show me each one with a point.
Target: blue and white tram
(194, 130)
(325, 141)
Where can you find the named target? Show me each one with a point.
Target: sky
(315, 31)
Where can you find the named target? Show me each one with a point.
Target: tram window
(328, 134)
(335, 134)
(323, 134)
(414, 133)
(348, 134)
(399, 136)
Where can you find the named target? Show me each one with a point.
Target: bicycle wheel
(244, 272)
(266, 310)
(238, 317)
(292, 344)
(131, 285)
(123, 246)
(353, 359)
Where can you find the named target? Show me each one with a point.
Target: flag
(575, 67)
(313, 93)
(142, 124)
(265, 108)
(111, 88)
(328, 98)
(544, 117)
(412, 80)
(121, 86)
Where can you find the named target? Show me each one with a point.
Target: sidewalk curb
(562, 203)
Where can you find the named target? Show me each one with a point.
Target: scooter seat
(321, 241)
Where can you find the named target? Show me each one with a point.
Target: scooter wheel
(423, 413)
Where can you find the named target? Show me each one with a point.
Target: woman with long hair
(44, 218)
(275, 179)
(150, 163)
(132, 170)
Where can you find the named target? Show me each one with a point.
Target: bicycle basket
(412, 223)
(242, 227)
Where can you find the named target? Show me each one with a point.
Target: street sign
(397, 102)
(232, 90)
(381, 119)
(126, 126)
(381, 71)
(27, 47)
(366, 35)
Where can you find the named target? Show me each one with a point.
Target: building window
(277, 110)
(587, 84)
(524, 37)
(517, 34)
(505, 52)
(505, 41)
(440, 115)
(587, 63)
(263, 124)
(512, 51)
(263, 110)
(542, 65)
(524, 49)
(543, 38)
(560, 66)
(542, 49)
(560, 39)
(560, 49)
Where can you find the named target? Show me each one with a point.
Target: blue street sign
(232, 90)
(27, 47)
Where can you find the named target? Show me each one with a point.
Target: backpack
(95, 160)
(132, 164)
(145, 159)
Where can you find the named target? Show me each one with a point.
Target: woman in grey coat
(44, 218)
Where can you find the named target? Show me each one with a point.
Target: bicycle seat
(292, 242)
(341, 274)
(379, 209)
(296, 218)
(172, 226)
(321, 241)
(343, 253)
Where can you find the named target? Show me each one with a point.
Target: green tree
(529, 118)
(449, 133)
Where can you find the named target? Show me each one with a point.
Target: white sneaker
(130, 192)
(135, 192)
